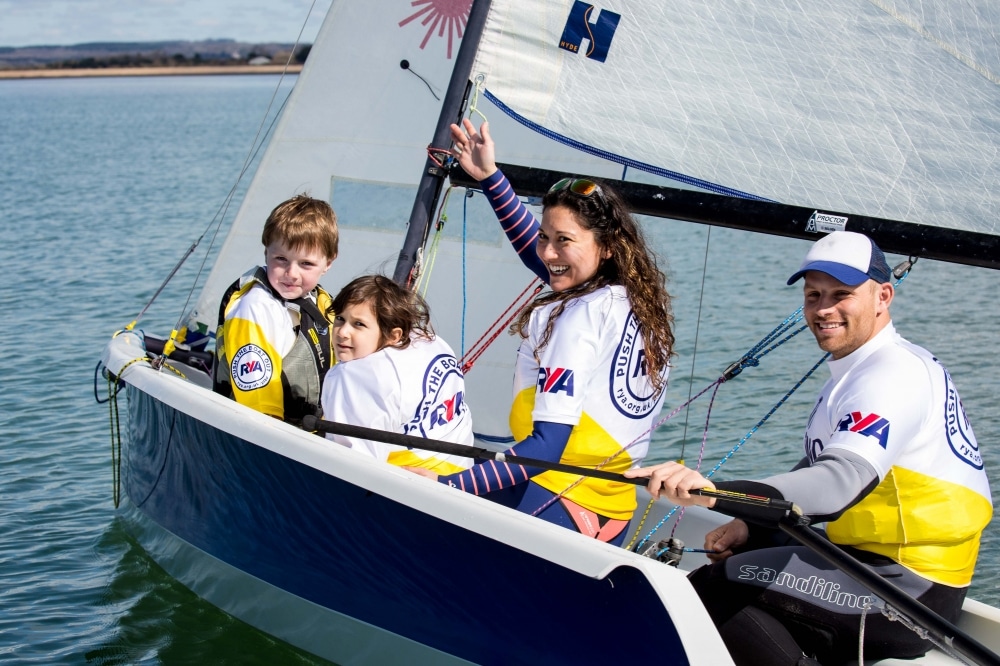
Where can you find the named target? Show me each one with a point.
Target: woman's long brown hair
(632, 264)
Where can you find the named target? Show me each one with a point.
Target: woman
(594, 356)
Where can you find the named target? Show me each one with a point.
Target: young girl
(394, 374)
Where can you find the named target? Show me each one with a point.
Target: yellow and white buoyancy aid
(271, 353)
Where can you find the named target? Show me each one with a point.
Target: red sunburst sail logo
(441, 16)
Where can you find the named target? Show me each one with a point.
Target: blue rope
(625, 161)
(740, 444)
(465, 221)
(760, 350)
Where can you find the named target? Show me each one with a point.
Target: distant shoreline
(205, 70)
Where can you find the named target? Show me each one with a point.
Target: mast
(429, 187)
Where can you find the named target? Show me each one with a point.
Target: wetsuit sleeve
(824, 490)
(546, 442)
(365, 392)
(253, 357)
(517, 222)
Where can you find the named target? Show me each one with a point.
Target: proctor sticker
(251, 368)
(631, 391)
(824, 223)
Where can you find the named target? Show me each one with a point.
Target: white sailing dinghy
(738, 104)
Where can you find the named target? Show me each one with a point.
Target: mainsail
(875, 107)
(367, 159)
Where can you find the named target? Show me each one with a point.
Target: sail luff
(429, 187)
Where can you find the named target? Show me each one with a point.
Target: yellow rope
(424, 279)
(638, 528)
(171, 369)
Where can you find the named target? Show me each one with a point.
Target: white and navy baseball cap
(849, 257)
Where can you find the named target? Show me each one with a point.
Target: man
(891, 464)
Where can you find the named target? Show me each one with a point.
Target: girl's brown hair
(393, 307)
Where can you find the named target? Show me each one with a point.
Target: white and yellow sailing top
(418, 391)
(893, 405)
(591, 375)
(274, 353)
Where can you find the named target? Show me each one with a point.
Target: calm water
(107, 182)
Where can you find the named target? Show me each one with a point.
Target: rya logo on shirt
(961, 439)
(554, 380)
(870, 425)
(632, 392)
(443, 402)
(447, 410)
(251, 368)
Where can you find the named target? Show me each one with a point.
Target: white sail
(882, 108)
(366, 159)
(812, 106)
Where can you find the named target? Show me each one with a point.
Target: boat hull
(354, 575)
(360, 562)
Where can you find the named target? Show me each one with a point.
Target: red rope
(474, 353)
(432, 153)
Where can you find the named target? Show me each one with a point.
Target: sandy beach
(146, 71)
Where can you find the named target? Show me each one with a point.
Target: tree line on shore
(176, 60)
(215, 53)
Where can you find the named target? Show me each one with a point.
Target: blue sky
(37, 22)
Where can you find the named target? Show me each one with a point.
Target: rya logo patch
(632, 391)
(870, 425)
(961, 439)
(251, 368)
(554, 380)
(442, 403)
(447, 410)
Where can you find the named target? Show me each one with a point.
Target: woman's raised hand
(474, 150)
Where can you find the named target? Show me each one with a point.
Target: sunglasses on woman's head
(583, 187)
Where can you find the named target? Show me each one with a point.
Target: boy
(273, 344)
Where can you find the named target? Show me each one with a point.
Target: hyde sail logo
(581, 26)
(870, 425)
